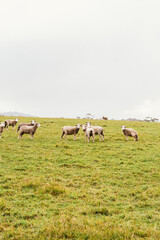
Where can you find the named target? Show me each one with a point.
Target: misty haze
(68, 58)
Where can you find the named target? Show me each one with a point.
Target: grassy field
(57, 189)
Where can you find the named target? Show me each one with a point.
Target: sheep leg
(31, 136)
(127, 138)
(86, 138)
(74, 137)
(93, 137)
(20, 136)
(62, 134)
(66, 136)
(136, 138)
(100, 137)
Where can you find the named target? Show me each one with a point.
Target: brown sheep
(105, 118)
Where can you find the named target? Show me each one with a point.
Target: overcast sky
(72, 57)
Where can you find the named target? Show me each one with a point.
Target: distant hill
(16, 114)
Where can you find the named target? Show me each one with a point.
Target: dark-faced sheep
(129, 132)
(70, 130)
(11, 122)
(28, 130)
(25, 124)
(2, 125)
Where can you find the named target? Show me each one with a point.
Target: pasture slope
(57, 189)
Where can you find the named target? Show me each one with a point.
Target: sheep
(1, 128)
(70, 130)
(89, 131)
(28, 130)
(97, 130)
(11, 122)
(25, 124)
(130, 132)
(105, 118)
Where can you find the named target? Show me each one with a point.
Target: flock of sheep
(88, 129)
(23, 128)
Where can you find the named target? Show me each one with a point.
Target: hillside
(57, 189)
(16, 114)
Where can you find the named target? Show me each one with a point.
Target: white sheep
(1, 128)
(70, 130)
(97, 130)
(129, 132)
(28, 130)
(89, 131)
(11, 122)
(25, 124)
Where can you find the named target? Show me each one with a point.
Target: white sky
(70, 57)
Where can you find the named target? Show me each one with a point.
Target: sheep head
(78, 125)
(123, 127)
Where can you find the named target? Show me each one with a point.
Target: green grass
(57, 189)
